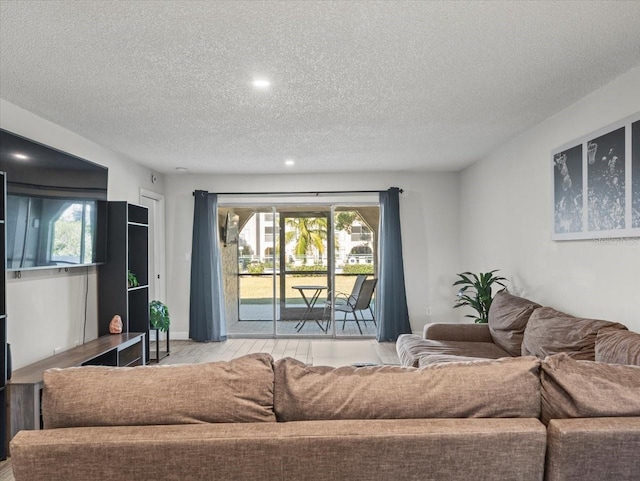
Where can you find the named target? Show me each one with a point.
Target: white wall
(429, 207)
(505, 218)
(495, 214)
(46, 309)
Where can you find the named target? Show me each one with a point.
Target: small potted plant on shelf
(159, 316)
(132, 280)
(476, 292)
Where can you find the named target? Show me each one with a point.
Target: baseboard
(173, 336)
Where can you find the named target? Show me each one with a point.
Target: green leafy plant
(257, 268)
(132, 280)
(358, 269)
(306, 268)
(159, 316)
(476, 292)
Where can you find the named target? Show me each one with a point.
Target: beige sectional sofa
(519, 327)
(516, 418)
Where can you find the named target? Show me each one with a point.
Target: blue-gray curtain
(207, 315)
(393, 314)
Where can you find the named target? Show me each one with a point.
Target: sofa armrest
(458, 332)
(593, 449)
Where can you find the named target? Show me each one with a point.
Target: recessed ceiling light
(261, 83)
(289, 162)
(20, 156)
(181, 170)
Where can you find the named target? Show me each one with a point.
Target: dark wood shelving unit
(128, 250)
(3, 318)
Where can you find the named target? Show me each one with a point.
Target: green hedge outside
(358, 269)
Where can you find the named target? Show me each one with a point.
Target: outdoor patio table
(310, 301)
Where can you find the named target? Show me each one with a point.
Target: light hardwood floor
(316, 352)
(6, 473)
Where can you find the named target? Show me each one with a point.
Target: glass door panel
(303, 278)
(251, 308)
(355, 254)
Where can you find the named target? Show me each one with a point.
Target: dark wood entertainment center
(61, 177)
(127, 240)
(26, 384)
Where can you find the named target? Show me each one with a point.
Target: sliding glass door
(290, 269)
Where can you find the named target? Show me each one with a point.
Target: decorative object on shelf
(476, 292)
(595, 181)
(115, 326)
(159, 316)
(132, 280)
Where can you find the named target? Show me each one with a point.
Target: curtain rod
(319, 192)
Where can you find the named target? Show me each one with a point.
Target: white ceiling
(356, 85)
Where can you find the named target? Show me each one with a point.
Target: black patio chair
(361, 302)
(342, 298)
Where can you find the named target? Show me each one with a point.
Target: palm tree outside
(309, 235)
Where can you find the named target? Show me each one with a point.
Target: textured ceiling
(356, 85)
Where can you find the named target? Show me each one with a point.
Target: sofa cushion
(551, 332)
(586, 389)
(618, 347)
(436, 358)
(457, 332)
(412, 347)
(504, 388)
(358, 450)
(508, 317)
(219, 392)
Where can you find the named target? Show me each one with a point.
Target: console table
(25, 386)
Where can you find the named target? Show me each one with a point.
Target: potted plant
(476, 292)
(132, 280)
(159, 316)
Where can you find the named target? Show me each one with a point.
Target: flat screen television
(56, 206)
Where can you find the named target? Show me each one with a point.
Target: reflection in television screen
(49, 232)
(56, 206)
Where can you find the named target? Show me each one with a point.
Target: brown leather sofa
(518, 327)
(253, 418)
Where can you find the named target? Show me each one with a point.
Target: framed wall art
(596, 184)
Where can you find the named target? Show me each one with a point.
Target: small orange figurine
(115, 326)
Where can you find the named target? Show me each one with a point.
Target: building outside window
(360, 233)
